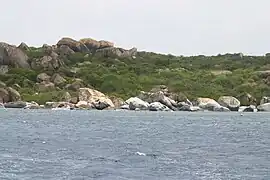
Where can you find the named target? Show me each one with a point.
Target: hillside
(46, 73)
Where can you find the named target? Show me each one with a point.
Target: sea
(133, 145)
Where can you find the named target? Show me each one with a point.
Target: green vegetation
(197, 76)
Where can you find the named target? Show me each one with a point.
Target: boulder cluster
(158, 99)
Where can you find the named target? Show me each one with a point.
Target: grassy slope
(126, 77)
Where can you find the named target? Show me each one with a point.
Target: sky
(179, 27)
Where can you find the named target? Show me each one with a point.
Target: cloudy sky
(180, 27)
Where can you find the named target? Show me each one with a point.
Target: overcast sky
(180, 27)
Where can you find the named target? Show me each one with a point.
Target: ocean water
(123, 145)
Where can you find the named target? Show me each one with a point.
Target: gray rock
(13, 56)
(18, 104)
(157, 106)
(264, 107)
(4, 95)
(135, 103)
(43, 77)
(230, 102)
(13, 94)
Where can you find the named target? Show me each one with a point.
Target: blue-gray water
(109, 145)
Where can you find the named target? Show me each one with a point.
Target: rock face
(64, 50)
(230, 102)
(97, 99)
(23, 47)
(136, 103)
(13, 56)
(116, 52)
(75, 85)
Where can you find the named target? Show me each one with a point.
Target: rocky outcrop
(116, 52)
(13, 56)
(97, 99)
(76, 46)
(230, 102)
(23, 47)
(93, 45)
(136, 103)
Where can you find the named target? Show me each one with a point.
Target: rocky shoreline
(159, 99)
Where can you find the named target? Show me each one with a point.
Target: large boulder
(43, 77)
(13, 94)
(96, 98)
(230, 102)
(93, 45)
(64, 50)
(116, 52)
(13, 56)
(4, 95)
(159, 96)
(157, 106)
(76, 46)
(204, 103)
(264, 107)
(136, 103)
(18, 104)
